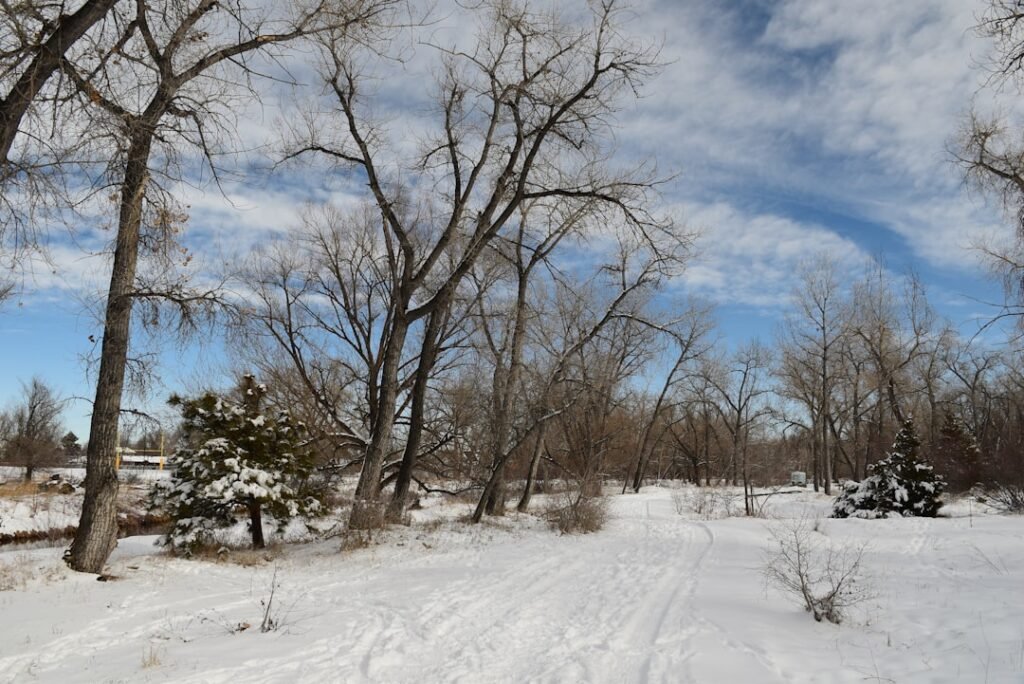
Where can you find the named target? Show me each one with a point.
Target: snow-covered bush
(233, 457)
(899, 484)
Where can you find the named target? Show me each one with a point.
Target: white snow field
(654, 597)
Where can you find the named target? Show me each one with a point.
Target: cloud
(839, 106)
(754, 259)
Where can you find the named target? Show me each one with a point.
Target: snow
(655, 596)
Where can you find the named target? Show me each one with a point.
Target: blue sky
(795, 126)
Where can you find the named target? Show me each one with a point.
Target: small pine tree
(233, 457)
(958, 455)
(900, 484)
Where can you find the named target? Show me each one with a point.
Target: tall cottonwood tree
(990, 152)
(810, 349)
(155, 80)
(36, 38)
(742, 387)
(523, 115)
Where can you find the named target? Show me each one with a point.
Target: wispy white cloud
(754, 258)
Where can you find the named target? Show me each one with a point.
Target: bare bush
(707, 503)
(681, 501)
(1008, 498)
(579, 515)
(827, 580)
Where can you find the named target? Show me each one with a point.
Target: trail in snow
(653, 597)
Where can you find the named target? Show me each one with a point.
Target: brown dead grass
(246, 558)
(20, 489)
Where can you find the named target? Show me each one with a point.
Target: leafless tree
(741, 383)
(893, 329)
(156, 82)
(810, 349)
(523, 116)
(688, 337)
(30, 430)
(989, 149)
(35, 36)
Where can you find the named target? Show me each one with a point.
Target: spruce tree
(900, 484)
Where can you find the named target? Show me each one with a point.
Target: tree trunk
(368, 487)
(97, 529)
(256, 524)
(428, 357)
(747, 489)
(531, 476)
(29, 471)
(499, 494)
(894, 403)
(503, 393)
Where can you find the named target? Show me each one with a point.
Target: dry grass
(708, 503)
(246, 558)
(17, 572)
(21, 489)
(151, 658)
(353, 540)
(432, 525)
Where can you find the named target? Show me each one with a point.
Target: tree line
(493, 308)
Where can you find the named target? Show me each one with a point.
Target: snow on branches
(899, 484)
(233, 457)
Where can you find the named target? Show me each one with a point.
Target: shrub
(824, 579)
(708, 503)
(580, 514)
(899, 484)
(234, 457)
(1008, 498)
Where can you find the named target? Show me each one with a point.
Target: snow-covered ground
(655, 596)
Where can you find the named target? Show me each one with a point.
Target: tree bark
(368, 487)
(428, 357)
(531, 475)
(256, 524)
(97, 530)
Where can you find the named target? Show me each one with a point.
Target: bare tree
(156, 86)
(989, 150)
(742, 387)
(30, 429)
(524, 116)
(688, 336)
(812, 336)
(893, 329)
(37, 36)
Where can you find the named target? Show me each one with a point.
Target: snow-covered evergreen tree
(233, 457)
(899, 484)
